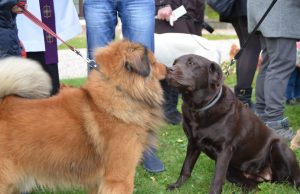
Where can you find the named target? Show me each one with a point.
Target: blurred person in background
(62, 18)
(137, 18)
(278, 34)
(189, 23)
(247, 63)
(9, 41)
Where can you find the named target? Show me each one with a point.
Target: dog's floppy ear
(139, 65)
(215, 78)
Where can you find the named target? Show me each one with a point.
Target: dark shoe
(152, 163)
(291, 101)
(174, 118)
(244, 95)
(262, 116)
(281, 128)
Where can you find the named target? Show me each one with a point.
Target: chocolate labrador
(216, 123)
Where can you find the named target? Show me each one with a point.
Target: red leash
(92, 64)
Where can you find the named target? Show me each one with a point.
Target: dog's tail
(23, 77)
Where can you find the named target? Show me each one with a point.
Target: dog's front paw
(179, 182)
(173, 186)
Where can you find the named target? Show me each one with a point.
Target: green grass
(77, 42)
(210, 13)
(219, 36)
(74, 82)
(172, 148)
(80, 41)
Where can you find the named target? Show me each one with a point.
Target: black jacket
(9, 42)
(239, 10)
(190, 23)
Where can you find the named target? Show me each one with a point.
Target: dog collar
(212, 102)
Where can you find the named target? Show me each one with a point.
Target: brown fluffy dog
(92, 136)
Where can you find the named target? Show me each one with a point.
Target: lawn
(80, 41)
(77, 42)
(172, 148)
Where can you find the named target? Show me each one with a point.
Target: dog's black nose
(170, 69)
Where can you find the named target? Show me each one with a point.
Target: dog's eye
(190, 63)
(128, 67)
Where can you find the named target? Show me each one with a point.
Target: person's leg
(138, 22)
(290, 89)
(282, 52)
(51, 69)
(297, 85)
(247, 63)
(260, 80)
(138, 25)
(101, 20)
(173, 116)
(137, 18)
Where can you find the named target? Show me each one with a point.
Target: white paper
(177, 13)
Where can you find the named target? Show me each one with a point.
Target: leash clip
(92, 64)
(233, 61)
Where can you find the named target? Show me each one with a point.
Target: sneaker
(291, 102)
(174, 118)
(151, 163)
(281, 128)
(262, 116)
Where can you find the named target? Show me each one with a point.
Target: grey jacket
(282, 21)
(239, 9)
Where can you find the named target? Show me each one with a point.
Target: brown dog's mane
(115, 94)
(141, 93)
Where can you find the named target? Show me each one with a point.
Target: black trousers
(171, 97)
(51, 69)
(246, 64)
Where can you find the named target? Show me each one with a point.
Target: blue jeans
(293, 87)
(137, 17)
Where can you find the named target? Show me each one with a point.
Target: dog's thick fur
(92, 136)
(245, 150)
(24, 78)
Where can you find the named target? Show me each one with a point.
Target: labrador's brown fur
(92, 136)
(246, 152)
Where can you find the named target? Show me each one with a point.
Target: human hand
(164, 13)
(17, 9)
